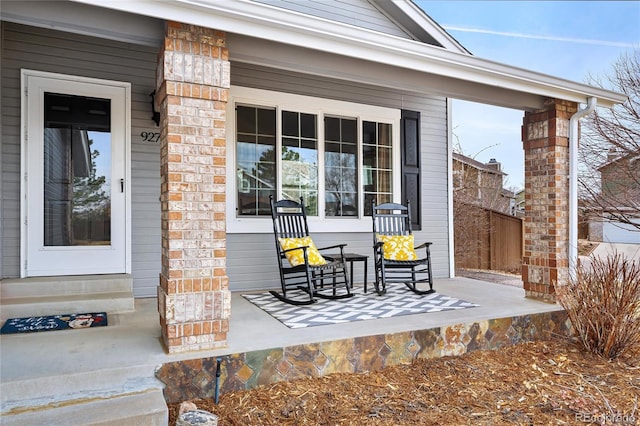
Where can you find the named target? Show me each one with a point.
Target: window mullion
(360, 167)
(279, 173)
(321, 164)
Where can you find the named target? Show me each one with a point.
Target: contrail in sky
(541, 37)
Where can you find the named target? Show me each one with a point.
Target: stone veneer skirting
(195, 378)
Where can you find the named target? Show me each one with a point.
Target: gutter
(452, 249)
(574, 140)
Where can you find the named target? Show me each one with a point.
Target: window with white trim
(338, 156)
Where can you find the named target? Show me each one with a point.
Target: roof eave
(283, 26)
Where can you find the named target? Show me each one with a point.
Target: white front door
(75, 175)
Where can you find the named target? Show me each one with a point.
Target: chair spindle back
(289, 219)
(391, 219)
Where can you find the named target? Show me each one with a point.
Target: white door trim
(121, 115)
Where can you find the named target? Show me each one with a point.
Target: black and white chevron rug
(396, 302)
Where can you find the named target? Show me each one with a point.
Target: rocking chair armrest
(423, 245)
(304, 248)
(340, 246)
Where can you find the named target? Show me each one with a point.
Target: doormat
(396, 302)
(54, 322)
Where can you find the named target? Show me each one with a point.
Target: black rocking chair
(396, 259)
(301, 265)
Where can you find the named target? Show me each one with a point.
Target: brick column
(545, 135)
(193, 84)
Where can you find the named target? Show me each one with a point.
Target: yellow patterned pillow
(296, 257)
(398, 247)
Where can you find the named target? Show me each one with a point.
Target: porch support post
(192, 90)
(545, 135)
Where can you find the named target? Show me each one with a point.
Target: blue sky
(567, 39)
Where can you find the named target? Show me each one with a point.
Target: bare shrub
(603, 304)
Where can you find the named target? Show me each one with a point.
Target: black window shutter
(410, 145)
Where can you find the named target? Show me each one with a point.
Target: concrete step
(65, 295)
(68, 304)
(25, 394)
(93, 376)
(63, 285)
(145, 408)
(128, 395)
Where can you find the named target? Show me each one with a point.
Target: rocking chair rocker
(395, 257)
(301, 265)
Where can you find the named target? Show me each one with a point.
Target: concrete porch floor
(45, 376)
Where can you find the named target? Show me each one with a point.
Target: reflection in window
(256, 159)
(300, 159)
(377, 160)
(77, 171)
(341, 166)
(278, 153)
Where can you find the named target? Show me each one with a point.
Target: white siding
(616, 232)
(253, 255)
(66, 53)
(359, 13)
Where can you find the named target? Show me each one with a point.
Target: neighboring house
(620, 195)
(481, 184)
(486, 236)
(197, 112)
(519, 206)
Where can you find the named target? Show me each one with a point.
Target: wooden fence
(486, 239)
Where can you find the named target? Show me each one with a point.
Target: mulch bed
(550, 382)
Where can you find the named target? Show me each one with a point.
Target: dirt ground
(538, 383)
(497, 277)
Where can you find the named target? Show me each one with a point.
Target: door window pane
(341, 165)
(256, 172)
(77, 170)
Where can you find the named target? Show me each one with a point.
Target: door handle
(121, 185)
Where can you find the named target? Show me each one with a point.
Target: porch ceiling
(277, 55)
(271, 36)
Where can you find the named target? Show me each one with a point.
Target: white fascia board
(292, 28)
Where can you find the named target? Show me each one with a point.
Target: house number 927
(150, 137)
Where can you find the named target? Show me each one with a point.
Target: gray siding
(359, 13)
(253, 255)
(251, 259)
(66, 53)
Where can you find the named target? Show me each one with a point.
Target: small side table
(354, 257)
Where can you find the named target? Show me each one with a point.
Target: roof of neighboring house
(616, 158)
(507, 193)
(256, 33)
(486, 167)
